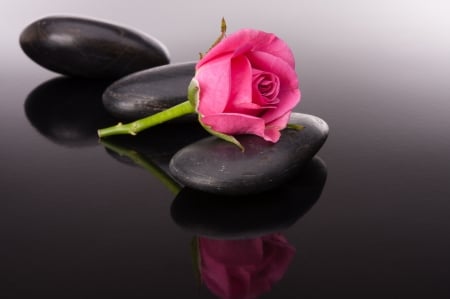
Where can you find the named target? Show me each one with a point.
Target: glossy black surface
(67, 110)
(150, 91)
(89, 48)
(75, 222)
(217, 166)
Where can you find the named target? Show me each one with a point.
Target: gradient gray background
(377, 71)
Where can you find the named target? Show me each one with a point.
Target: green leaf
(223, 136)
(193, 93)
(295, 127)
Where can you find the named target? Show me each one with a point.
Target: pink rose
(243, 269)
(247, 85)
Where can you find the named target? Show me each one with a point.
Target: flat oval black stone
(216, 166)
(150, 91)
(89, 48)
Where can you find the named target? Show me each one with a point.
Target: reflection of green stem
(138, 159)
(196, 259)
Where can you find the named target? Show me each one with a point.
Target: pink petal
(266, 87)
(236, 124)
(270, 63)
(214, 82)
(246, 40)
(272, 135)
(273, 128)
(279, 123)
(289, 94)
(237, 42)
(288, 100)
(233, 252)
(241, 82)
(269, 43)
(281, 256)
(248, 108)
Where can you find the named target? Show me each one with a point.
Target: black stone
(216, 166)
(208, 214)
(89, 48)
(150, 91)
(68, 110)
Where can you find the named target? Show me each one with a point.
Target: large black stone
(216, 166)
(148, 92)
(89, 48)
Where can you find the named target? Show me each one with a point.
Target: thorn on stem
(223, 29)
(223, 26)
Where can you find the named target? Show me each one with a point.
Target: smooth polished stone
(150, 91)
(90, 48)
(216, 166)
(68, 110)
(207, 214)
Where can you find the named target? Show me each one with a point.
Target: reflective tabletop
(368, 217)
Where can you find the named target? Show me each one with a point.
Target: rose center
(266, 86)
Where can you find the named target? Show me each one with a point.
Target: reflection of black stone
(68, 111)
(158, 144)
(121, 158)
(248, 216)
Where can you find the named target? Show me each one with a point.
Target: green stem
(138, 159)
(150, 121)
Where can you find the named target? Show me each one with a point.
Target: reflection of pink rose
(247, 85)
(243, 269)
